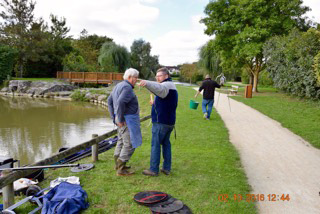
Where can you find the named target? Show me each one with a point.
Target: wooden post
(94, 149)
(248, 91)
(7, 192)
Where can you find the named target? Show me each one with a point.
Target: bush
(190, 71)
(245, 77)
(316, 67)
(79, 96)
(265, 79)
(7, 59)
(73, 62)
(292, 62)
(196, 77)
(175, 74)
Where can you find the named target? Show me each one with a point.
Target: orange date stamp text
(253, 197)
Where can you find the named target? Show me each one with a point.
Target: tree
(210, 58)
(142, 60)
(242, 27)
(36, 50)
(58, 29)
(16, 28)
(113, 57)
(60, 41)
(74, 62)
(190, 73)
(51, 45)
(7, 57)
(94, 40)
(89, 47)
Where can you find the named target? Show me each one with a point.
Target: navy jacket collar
(129, 83)
(168, 79)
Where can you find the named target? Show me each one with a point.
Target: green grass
(299, 115)
(37, 79)
(228, 84)
(205, 165)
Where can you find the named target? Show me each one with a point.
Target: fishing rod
(41, 167)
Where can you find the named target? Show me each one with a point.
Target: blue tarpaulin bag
(65, 198)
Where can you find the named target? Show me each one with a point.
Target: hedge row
(293, 62)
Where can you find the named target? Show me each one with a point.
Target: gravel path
(276, 161)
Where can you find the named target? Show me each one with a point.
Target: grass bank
(37, 79)
(301, 116)
(205, 165)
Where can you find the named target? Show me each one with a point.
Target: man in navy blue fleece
(124, 110)
(163, 120)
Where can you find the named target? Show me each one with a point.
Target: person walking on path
(221, 78)
(208, 86)
(124, 110)
(163, 120)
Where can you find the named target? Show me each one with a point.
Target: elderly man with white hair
(124, 110)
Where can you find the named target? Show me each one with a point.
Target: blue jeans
(209, 104)
(160, 137)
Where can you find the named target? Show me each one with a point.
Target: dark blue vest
(164, 109)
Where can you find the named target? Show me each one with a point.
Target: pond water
(34, 129)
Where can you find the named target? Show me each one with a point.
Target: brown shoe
(122, 171)
(148, 172)
(116, 162)
(166, 172)
(116, 167)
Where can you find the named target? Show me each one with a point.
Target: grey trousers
(124, 149)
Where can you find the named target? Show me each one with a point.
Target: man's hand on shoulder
(142, 83)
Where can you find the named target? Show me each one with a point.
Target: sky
(171, 26)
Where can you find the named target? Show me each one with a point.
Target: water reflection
(33, 129)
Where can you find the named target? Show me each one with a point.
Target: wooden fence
(90, 77)
(6, 182)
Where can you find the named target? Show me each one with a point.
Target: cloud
(126, 20)
(314, 5)
(149, 1)
(180, 46)
(111, 18)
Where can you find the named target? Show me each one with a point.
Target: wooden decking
(90, 77)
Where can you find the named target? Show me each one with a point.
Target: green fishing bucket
(193, 104)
